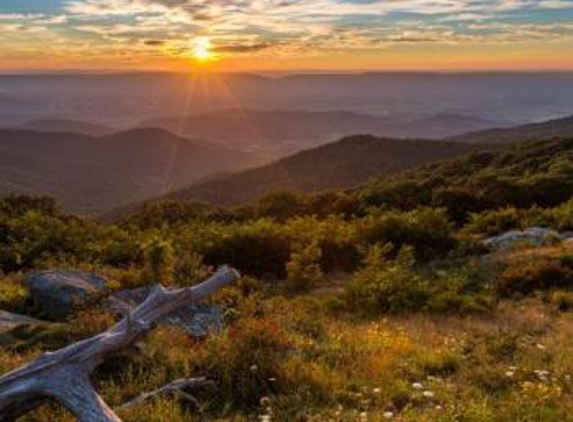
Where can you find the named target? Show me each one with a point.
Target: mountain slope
(556, 128)
(348, 162)
(89, 174)
(527, 174)
(65, 125)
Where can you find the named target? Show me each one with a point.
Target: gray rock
(198, 320)
(9, 321)
(534, 236)
(57, 293)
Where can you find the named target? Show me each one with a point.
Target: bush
(303, 268)
(427, 230)
(159, 262)
(384, 285)
(529, 274)
(495, 222)
(257, 248)
(13, 295)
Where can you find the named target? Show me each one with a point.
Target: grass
(304, 363)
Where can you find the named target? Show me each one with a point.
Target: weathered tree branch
(176, 387)
(64, 375)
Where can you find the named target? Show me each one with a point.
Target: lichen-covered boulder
(198, 320)
(534, 236)
(57, 293)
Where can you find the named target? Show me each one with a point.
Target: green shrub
(159, 262)
(384, 285)
(256, 248)
(13, 294)
(303, 268)
(494, 222)
(428, 231)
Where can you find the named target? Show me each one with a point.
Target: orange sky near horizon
(286, 35)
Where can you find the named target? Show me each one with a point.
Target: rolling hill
(91, 174)
(556, 128)
(346, 163)
(280, 132)
(66, 125)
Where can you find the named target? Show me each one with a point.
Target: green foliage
(189, 269)
(13, 294)
(159, 262)
(384, 285)
(489, 223)
(535, 173)
(303, 268)
(428, 231)
(257, 248)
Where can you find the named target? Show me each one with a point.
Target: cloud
(154, 43)
(301, 28)
(238, 48)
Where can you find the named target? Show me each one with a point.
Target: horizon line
(88, 72)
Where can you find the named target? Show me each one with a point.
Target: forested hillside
(346, 163)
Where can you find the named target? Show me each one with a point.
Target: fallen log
(63, 375)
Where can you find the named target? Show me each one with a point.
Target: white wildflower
(388, 415)
(428, 394)
(417, 386)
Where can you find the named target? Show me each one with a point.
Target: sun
(202, 49)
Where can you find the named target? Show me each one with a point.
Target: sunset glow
(286, 35)
(202, 50)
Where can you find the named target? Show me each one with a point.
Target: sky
(286, 35)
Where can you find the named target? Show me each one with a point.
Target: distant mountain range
(556, 128)
(346, 163)
(279, 132)
(91, 174)
(66, 125)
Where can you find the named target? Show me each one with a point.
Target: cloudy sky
(286, 34)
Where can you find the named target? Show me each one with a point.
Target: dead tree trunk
(64, 375)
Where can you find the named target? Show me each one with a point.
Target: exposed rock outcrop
(56, 293)
(534, 236)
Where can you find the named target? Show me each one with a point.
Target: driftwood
(64, 375)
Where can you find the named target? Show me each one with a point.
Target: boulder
(9, 321)
(57, 293)
(198, 320)
(534, 236)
